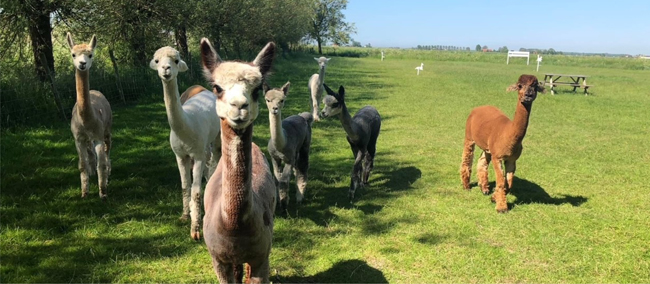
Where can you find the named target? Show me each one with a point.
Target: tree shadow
(348, 271)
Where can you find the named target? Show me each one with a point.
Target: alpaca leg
(466, 163)
(369, 163)
(482, 172)
(259, 272)
(300, 171)
(108, 144)
(102, 169)
(314, 105)
(185, 167)
(238, 271)
(355, 181)
(499, 195)
(92, 158)
(511, 167)
(214, 155)
(283, 186)
(195, 202)
(84, 166)
(225, 271)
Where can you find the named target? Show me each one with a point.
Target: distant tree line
(442, 47)
(134, 29)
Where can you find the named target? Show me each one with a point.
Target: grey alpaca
(289, 144)
(362, 131)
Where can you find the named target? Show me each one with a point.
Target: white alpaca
(316, 85)
(194, 127)
(420, 68)
(91, 121)
(382, 55)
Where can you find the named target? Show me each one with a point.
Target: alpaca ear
(328, 59)
(70, 41)
(264, 59)
(93, 42)
(513, 87)
(342, 91)
(540, 89)
(329, 91)
(285, 88)
(209, 58)
(316, 59)
(265, 86)
(153, 65)
(182, 66)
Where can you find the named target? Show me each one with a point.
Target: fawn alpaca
(91, 121)
(500, 139)
(240, 197)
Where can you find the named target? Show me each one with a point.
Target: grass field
(580, 207)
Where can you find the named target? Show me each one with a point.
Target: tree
(328, 23)
(478, 47)
(503, 49)
(485, 47)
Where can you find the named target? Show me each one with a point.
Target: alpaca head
(275, 97)
(334, 102)
(322, 62)
(82, 54)
(236, 84)
(167, 61)
(527, 86)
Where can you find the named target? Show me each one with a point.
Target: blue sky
(573, 25)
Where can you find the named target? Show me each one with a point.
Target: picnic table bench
(553, 80)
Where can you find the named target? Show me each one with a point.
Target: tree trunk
(40, 33)
(181, 41)
(320, 50)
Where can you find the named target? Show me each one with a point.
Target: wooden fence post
(118, 81)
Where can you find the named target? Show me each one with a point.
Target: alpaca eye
(268, 101)
(156, 61)
(217, 89)
(74, 55)
(90, 56)
(281, 101)
(176, 61)
(335, 105)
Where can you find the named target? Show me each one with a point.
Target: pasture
(580, 206)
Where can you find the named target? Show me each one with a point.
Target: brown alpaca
(500, 138)
(240, 197)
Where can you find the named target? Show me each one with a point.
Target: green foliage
(328, 23)
(579, 206)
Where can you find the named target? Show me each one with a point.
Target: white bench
(518, 54)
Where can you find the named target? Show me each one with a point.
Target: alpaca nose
(83, 63)
(166, 67)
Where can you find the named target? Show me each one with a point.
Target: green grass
(580, 207)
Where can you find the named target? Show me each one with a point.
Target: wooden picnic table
(553, 80)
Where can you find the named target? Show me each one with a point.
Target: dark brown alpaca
(500, 138)
(240, 197)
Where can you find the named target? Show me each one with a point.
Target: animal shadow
(528, 192)
(348, 271)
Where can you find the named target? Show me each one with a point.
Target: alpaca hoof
(104, 197)
(84, 194)
(492, 199)
(502, 210)
(184, 217)
(196, 236)
(486, 191)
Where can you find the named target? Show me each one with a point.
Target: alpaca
(500, 138)
(362, 131)
(382, 55)
(91, 121)
(420, 68)
(289, 143)
(240, 197)
(316, 85)
(194, 126)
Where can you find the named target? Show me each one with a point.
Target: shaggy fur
(240, 197)
(316, 85)
(289, 144)
(362, 131)
(500, 138)
(91, 121)
(194, 135)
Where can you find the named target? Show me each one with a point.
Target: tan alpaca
(240, 197)
(500, 138)
(91, 121)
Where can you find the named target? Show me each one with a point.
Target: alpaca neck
(277, 133)
(321, 78)
(348, 123)
(84, 109)
(520, 122)
(176, 116)
(236, 193)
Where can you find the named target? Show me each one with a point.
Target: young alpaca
(362, 131)
(316, 85)
(91, 121)
(194, 126)
(240, 197)
(500, 138)
(420, 68)
(289, 143)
